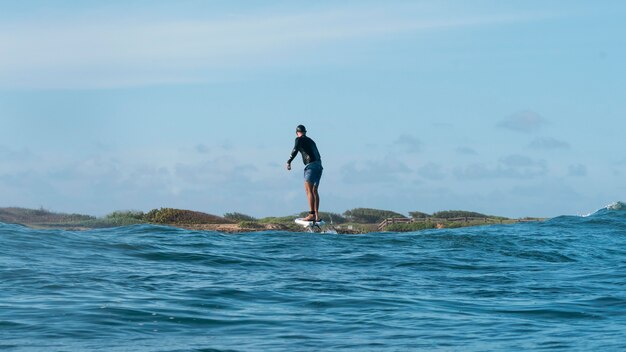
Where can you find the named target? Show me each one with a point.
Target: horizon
(506, 109)
(408, 215)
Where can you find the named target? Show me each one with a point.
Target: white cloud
(578, 170)
(144, 179)
(408, 143)
(108, 52)
(18, 160)
(548, 143)
(8, 154)
(432, 171)
(466, 151)
(524, 121)
(512, 166)
(202, 149)
(375, 171)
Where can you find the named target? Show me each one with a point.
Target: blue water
(556, 285)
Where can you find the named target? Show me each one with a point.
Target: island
(354, 221)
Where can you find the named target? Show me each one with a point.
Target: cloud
(202, 149)
(549, 197)
(432, 171)
(512, 166)
(11, 155)
(408, 143)
(106, 51)
(376, 171)
(548, 143)
(445, 125)
(466, 151)
(577, 170)
(214, 172)
(136, 179)
(524, 122)
(520, 161)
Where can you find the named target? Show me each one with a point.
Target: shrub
(39, 212)
(410, 227)
(278, 220)
(239, 217)
(250, 224)
(172, 216)
(455, 224)
(336, 218)
(449, 214)
(418, 215)
(126, 214)
(122, 218)
(39, 216)
(370, 216)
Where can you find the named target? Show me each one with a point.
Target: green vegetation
(433, 223)
(328, 217)
(359, 220)
(450, 214)
(238, 217)
(370, 216)
(276, 219)
(250, 224)
(419, 215)
(285, 222)
(411, 226)
(45, 218)
(123, 218)
(181, 216)
(41, 216)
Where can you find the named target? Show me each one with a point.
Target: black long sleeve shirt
(306, 146)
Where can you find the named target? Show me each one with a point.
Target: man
(312, 170)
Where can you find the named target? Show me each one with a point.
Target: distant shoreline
(355, 221)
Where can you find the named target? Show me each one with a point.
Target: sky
(511, 108)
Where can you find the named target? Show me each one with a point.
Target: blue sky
(508, 108)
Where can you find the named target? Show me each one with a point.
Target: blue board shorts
(313, 172)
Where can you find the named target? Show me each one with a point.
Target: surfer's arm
(294, 152)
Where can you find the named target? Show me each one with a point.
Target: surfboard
(306, 224)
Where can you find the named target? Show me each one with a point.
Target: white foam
(616, 206)
(613, 206)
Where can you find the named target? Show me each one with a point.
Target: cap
(301, 128)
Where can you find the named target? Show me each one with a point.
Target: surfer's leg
(309, 187)
(316, 203)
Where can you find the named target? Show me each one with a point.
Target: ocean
(553, 285)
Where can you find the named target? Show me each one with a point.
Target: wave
(613, 208)
(616, 208)
(614, 213)
(501, 287)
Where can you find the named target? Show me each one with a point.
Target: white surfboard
(309, 224)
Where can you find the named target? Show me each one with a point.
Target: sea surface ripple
(553, 285)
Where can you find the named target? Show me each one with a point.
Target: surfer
(312, 170)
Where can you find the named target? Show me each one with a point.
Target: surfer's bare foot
(311, 217)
